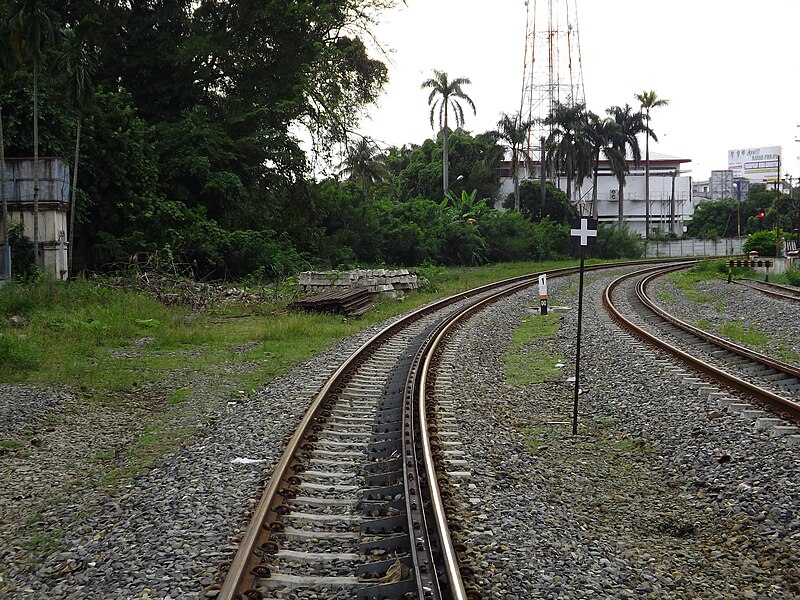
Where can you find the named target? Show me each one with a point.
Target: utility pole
(778, 211)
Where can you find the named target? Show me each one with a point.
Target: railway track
(754, 377)
(775, 290)
(354, 507)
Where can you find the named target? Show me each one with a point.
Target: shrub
(762, 242)
(613, 242)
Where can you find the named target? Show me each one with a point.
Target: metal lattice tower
(553, 70)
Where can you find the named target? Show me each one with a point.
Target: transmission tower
(553, 71)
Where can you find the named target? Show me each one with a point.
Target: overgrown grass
(531, 358)
(687, 279)
(108, 345)
(94, 338)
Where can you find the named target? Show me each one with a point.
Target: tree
(556, 206)
(449, 93)
(514, 131)
(648, 101)
(630, 124)
(363, 164)
(34, 26)
(5, 66)
(601, 134)
(78, 62)
(476, 159)
(566, 146)
(713, 219)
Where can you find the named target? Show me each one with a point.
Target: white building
(670, 193)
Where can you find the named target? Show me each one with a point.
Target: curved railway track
(357, 505)
(754, 377)
(353, 508)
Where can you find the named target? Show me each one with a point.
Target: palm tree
(567, 148)
(33, 26)
(514, 131)
(79, 63)
(363, 164)
(648, 100)
(601, 134)
(449, 93)
(630, 125)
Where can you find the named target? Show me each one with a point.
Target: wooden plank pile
(352, 302)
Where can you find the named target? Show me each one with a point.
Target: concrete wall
(695, 247)
(54, 184)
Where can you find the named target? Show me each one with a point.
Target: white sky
(728, 67)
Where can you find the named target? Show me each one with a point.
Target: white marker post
(586, 231)
(543, 294)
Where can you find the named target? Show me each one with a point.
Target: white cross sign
(586, 230)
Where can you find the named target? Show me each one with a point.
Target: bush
(509, 237)
(613, 242)
(762, 242)
(23, 264)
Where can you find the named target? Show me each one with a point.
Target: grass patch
(703, 324)
(34, 519)
(752, 337)
(748, 336)
(10, 444)
(531, 358)
(535, 328)
(177, 396)
(535, 366)
(44, 543)
(687, 279)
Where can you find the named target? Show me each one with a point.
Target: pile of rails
(352, 302)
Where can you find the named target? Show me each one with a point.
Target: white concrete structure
(54, 186)
(670, 194)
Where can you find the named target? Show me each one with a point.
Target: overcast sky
(728, 67)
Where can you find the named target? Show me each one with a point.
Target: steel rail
(777, 291)
(240, 573)
(784, 407)
(241, 576)
(778, 365)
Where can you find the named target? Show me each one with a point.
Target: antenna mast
(553, 70)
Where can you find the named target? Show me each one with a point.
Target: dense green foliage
(190, 115)
(724, 218)
(762, 242)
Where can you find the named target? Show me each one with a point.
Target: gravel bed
(658, 496)
(165, 534)
(689, 506)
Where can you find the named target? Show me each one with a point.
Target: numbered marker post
(543, 294)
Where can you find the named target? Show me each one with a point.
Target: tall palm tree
(514, 131)
(630, 124)
(33, 27)
(445, 94)
(601, 134)
(363, 164)
(78, 62)
(648, 100)
(566, 146)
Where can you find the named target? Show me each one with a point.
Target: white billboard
(758, 165)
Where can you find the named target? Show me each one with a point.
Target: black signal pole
(585, 230)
